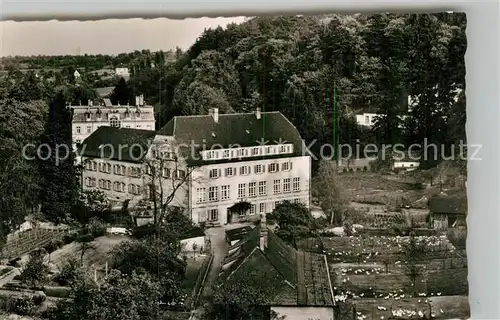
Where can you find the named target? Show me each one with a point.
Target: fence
(200, 281)
(26, 241)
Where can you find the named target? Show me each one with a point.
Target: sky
(111, 36)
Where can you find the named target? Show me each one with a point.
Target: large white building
(87, 119)
(223, 167)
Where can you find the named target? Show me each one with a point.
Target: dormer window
(114, 122)
(127, 114)
(99, 114)
(138, 113)
(87, 115)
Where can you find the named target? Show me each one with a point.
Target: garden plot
(372, 275)
(444, 307)
(377, 248)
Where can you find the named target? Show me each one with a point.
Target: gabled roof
(106, 142)
(302, 277)
(243, 129)
(448, 205)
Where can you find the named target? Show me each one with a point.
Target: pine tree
(57, 167)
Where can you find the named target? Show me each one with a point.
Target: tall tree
(57, 163)
(122, 93)
(19, 178)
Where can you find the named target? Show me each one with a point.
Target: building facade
(219, 168)
(87, 119)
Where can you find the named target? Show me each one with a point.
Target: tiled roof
(448, 205)
(243, 129)
(102, 142)
(301, 276)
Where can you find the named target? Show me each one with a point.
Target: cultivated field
(371, 272)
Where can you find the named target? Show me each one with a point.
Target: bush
(39, 298)
(57, 292)
(21, 305)
(68, 273)
(96, 227)
(458, 237)
(70, 237)
(52, 246)
(365, 168)
(35, 272)
(351, 170)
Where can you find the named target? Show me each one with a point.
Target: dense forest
(290, 64)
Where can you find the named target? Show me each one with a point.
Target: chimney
(90, 102)
(137, 101)
(263, 232)
(215, 114)
(257, 113)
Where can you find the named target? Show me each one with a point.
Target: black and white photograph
(307, 167)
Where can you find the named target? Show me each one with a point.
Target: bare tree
(86, 242)
(161, 175)
(166, 173)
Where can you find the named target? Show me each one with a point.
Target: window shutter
(203, 216)
(290, 165)
(219, 173)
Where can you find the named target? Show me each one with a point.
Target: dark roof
(243, 129)
(448, 205)
(133, 144)
(302, 277)
(237, 233)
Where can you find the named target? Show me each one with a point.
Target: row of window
(247, 152)
(117, 186)
(169, 173)
(285, 185)
(117, 169)
(263, 207)
(113, 123)
(132, 171)
(246, 170)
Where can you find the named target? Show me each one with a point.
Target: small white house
(76, 74)
(366, 119)
(405, 165)
(122, 72)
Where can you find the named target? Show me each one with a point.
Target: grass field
(96, 258)
(192, 269)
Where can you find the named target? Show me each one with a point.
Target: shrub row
(22, 304)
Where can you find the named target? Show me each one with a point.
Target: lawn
(96, 257)
(192, 269)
